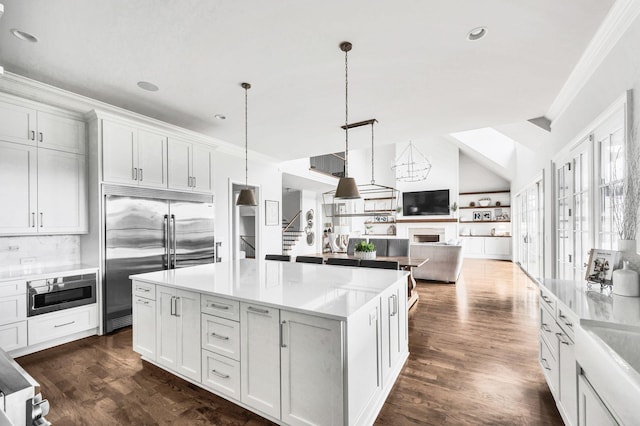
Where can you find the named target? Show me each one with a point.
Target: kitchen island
(296, 343)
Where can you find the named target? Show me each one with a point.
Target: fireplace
(426, 235)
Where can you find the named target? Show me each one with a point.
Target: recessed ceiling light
(145, 85)
(477, 33)
(1, 9)
(24, 36)
(220, 116)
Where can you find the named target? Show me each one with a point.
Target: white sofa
(445, 261)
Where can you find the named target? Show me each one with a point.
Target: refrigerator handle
(166, 264)
(173, 233)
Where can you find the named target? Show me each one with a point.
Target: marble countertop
(331, 291)
(594, 304)
(34, 272)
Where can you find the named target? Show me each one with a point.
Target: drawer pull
(260, 311)
(62, 325)
(562, 340)
(216, 306)
(219, 374)
(545, 364)
(545, 298)
(143, 302)
(545, 327)
(564, 320)
(146, 290)
(219, 336)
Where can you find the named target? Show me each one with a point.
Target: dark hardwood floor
(474, 349)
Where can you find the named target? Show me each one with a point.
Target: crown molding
(33, 90)
(615, 24)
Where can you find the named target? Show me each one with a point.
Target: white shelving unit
(485, 229)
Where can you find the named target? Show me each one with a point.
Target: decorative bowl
(484, 202)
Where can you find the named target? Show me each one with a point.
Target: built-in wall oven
(54, 294)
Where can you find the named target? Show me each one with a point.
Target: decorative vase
(365, 255)
(626, 281)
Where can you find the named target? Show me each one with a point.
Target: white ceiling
(411, 66)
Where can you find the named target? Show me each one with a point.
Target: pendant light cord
(246, 137)
(373, 180)
(346, 113)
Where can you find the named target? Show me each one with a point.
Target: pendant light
(247, 197)
(347, 188)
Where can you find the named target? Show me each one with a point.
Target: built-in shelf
(485, 192)
(484, 207)
(485, 236)
(485, 221)
(450, 220)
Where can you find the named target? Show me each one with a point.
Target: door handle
(282, 344)
(140, 175)
(134, 174)
(166, 242)
(41, 136)
(171, 306)
(41, 219)
(178, 300)
(189, 181)
(33, 219)
(33, 135)
(175, 248)
(194, 181)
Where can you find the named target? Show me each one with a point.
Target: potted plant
(454, 208)
(626, 201)
(365, 250)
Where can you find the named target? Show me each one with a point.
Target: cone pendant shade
(347, 189)
(246, 198)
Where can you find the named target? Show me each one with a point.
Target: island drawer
(549, 330)
(146, 290)
(548, 300)
(221, 307)
(221, 336)
(549, 368)
(221, 374)
(13, 288)
(567, 320)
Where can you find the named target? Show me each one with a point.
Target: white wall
(474, 177)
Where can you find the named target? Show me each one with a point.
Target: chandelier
(411, 165)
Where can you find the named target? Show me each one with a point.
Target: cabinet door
(152, 159)
(167, 328)
(568, 379)
(260, 358)
(500, 246)
(62, 192)
(17, 124)
(187, 314)
(13, 336)
(13, 308)
(144, 327)
(18, 174)
(61, 133)
(473, 246)
(179, 164)
(592, 412)
(119, 153)
(312, 384)
(202, 173)
(392, 330)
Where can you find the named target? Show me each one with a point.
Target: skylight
(490, 143)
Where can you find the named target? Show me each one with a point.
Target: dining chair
(380, 264)
(351, 245)
(380, 245)
(309, 259)
(398, 247)
(281, 257)
(342, 261)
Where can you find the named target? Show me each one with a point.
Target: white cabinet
(497, 246)
(311, 369)
(394, 335)
(13, 315)
(260, 358)
(132, 156)
(190, 166)
(221, 374)
(47, 189)
(26, 125)
(593, 412)
(144, 320)
(178, 331)
(42, 328)
(487, 247)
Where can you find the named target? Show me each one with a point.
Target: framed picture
(600, 267)
(271, 212)
(477, 215)
(486, 215)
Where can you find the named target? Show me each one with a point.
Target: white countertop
(34, 272)
(330, 291)
(594, 304)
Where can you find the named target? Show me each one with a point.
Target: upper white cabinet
(190, 166)
(132, 156)
(19, 177)
(26, 125)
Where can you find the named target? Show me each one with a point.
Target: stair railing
(291, 221)
(247, 246)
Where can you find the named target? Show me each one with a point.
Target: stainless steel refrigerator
(147, 232)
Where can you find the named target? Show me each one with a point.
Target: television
(425, 203)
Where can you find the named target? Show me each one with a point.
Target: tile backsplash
(49, 250)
